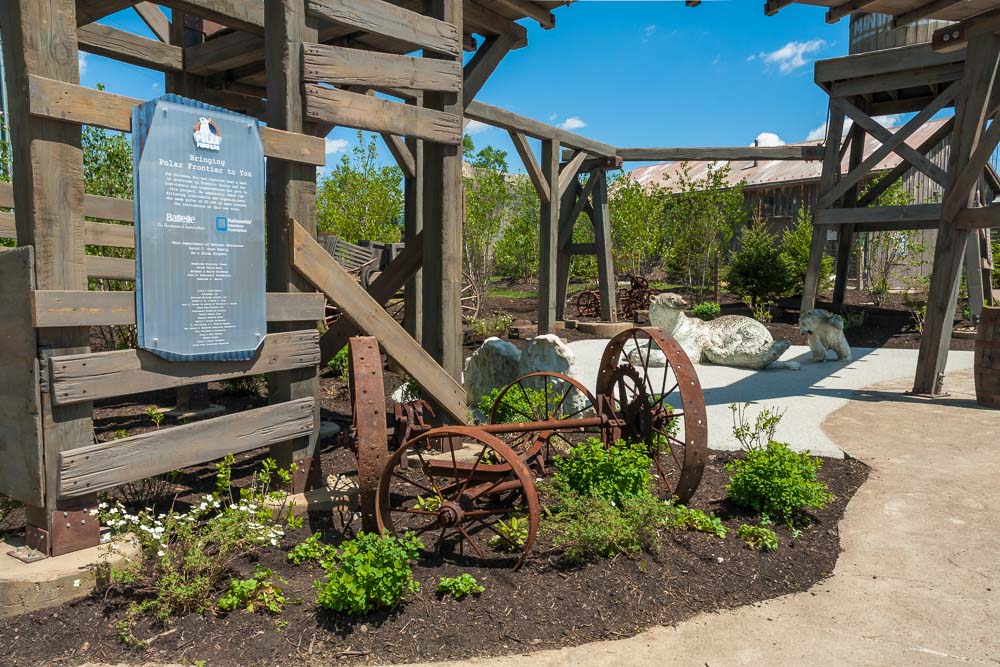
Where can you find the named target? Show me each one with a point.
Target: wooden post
(974, 277)
(831, 172)
(602, 237)
(413, 224)
(549, 239)
(39, 38)
(971, 107)
(443, 217)
(291, 193)
(566, 225)
(845, 235)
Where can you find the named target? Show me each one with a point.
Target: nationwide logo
(207, 135)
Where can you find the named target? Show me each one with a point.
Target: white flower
(160, 553)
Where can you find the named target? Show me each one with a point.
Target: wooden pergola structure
(959, 69)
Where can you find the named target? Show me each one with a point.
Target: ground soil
(544, 605)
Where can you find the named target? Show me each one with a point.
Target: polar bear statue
(826, 332)
(730, 340)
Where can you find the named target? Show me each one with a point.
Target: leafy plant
(853, 318)
(613, 473)
(155, 416)
(339, 363)
(758, 537)
(518, 248)
(516, 406)
(680, 516)
(487, 198)
(312, 548)
(777, 481)
(248, 385)
(707, 310)
(257, 592)
(754, 436)
(431, 503)
(758, 272)
(370, 572)
(796, 242)
(512, 534)
(460, 586)
(498, 325)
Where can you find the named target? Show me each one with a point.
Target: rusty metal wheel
(588, 304)
(465, 493)
(661, 407)
(368, 435)
(540, 398)
(472, 301)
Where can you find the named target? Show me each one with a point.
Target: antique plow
(469, 491)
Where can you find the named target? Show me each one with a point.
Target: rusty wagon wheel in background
(661, 407)
(464, 493)
(588, 304)
(472, 301)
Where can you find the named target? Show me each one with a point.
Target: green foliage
(758, 537)
(155, 416)
(707, 310)
(613, 473)
(777, 481)
(487, 198)
(186, 557)
(360, 200)
(258, 592)
(311, 549)
(995, 245)
(853, 318)
(248, 385)
(370, 572)
(339, 363)
(512, 534)
(638, 212)
(459, 587)
(517, 250)
(758, 271)
(795, 244)
(517, 405)
(498, 325)
(754, 436)
(679, 516)
(883, 252)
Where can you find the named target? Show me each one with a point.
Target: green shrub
(795, 244)
(512, 534)
(679, 516)
(459, 587)
(758, 537)
(758, 271)
(777, 481)
(312, 548)
(257, 592)
(340, 363)
(707, 310)
(498, 325)
(612, 473)
(370, 572)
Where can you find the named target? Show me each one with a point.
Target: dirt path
(919, 579)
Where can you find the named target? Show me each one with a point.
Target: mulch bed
(541, 606)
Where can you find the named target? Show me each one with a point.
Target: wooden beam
(404, 158)
(105, 465)
(330, 105)
(155, 19)
(319, 268)
(531, 165)
(582, 200)
(338, 65)
(240, 14)
(545, 17)
(510, 121)
(480, 19)
(88, 11)
(956, 37)
(885, 182)
(569, 171)
(838, 12)
(987, 217)
(72, 103)
(732, 153)
(483, 64)
(923, 11)
(129, 48)
(896, 81)
(77, 308)
(772, 7)
(224, 52)
(883, 61)
(917, 214)
(382, 18)
(111, 268)
(549, 239)
(972, 171)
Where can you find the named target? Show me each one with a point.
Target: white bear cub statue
(826, 332)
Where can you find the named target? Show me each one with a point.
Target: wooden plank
(895, 81)
(972, 171)
(240, 14)
(105, 465)
(109, 235)
(88, 11)
(978, 218)
(510, 121)
(721, 153)
(404, 158)
(75, 104)
(838, 12)
(488, 57)
(884, 61)
(480, 19)
(413, 230)
(922, 11)
(21, 475)
(155, 19)
(549, 240)
(570, 171)
(108, 208)
(223, 53)
(531, 165)
(335, 64)
(389, 20)
(315, 265)
(601, 217)
(78, 308)
(329, 105)
(533, 10)
(772, 7)
(885, 182)
(90, 377)
(127, 47)
(915, 213)
(955, 37)
(112, 268)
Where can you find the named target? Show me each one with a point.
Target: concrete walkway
(807, 396)
(918, 582)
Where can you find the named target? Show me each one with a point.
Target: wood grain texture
(88, 377)
(339, 65)
(363, 112)
(315, 264)
(722, 153)
(112, 268)
(75, 104)
(127, 47)
(389, 20)
(21, 474)
(241, 14)
(531, 165)
(511, 121)
(155, 19)
(106, 465)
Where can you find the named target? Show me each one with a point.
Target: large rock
(547, 353)
(494, 364)
(639, 354)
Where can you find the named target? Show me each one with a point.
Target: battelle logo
(207, 135)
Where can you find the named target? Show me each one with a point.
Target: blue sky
(631, 74)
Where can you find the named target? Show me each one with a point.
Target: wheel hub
(451, 514)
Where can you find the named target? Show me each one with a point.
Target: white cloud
(82, 62)
(334, 146)
(892, 120)
(552, 117)
(572, 123)
(475, 127)
(649, 30)
(792, 56)
(769, 139)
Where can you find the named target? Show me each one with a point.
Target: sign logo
(207, 135)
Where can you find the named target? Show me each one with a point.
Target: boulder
(495, 364)
(547, 353)
(637, 354)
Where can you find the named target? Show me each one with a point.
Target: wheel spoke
(471, 542)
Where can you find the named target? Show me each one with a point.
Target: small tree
(360, 200)
(487, 197)
(638, 230)
(518, 249)
(884, 251)
(759, 272)
(795, 247)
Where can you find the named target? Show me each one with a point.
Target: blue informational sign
(199, 231)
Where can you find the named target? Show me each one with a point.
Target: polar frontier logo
(207, 135)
